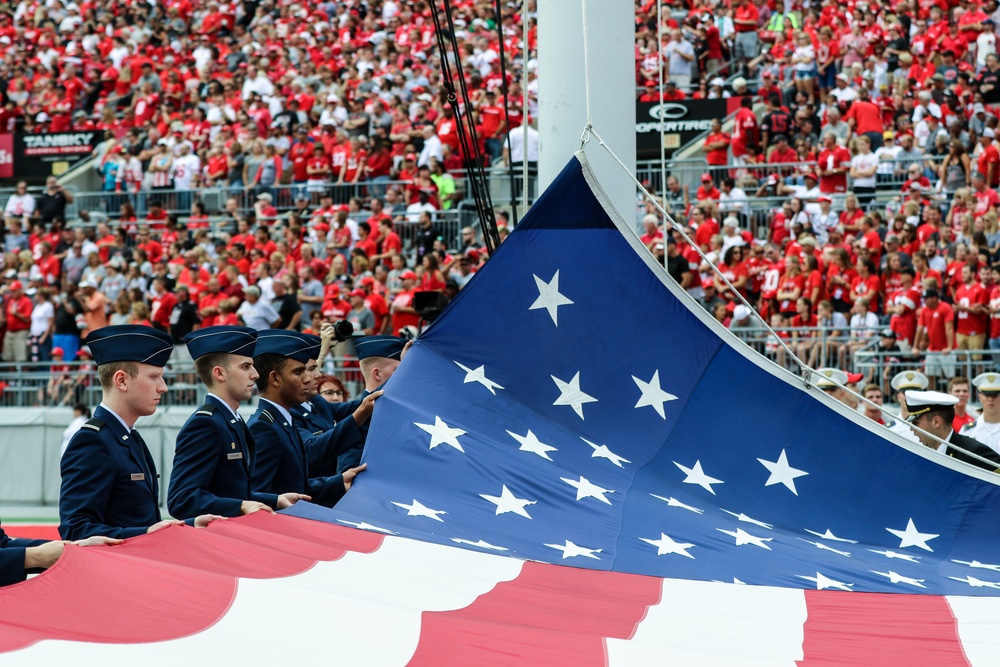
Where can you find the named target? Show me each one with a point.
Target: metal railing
(857, 351)
(42, 384)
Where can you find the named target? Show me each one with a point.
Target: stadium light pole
(562, 107)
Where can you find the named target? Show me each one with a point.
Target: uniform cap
(829, 378)
(221, 339)
(390, 347)
(921, 402)
(909, 380)
(286, 344)
(130, 342)
(987, 382)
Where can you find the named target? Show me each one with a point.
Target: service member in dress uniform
(933, 411)
(902, 382)
(986, 427)
(282, 461)
(328, 430)
(109, 482)
(379, 357)
(215, 451)
(831, 380)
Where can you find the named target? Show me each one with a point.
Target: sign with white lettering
(37, 156)
(673, 123)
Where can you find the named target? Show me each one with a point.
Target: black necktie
(247, 439)
(145, 458)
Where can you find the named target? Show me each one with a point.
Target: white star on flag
(602, 452)
(830, 536)
(419, 509)
(584, 489)
(531, 443)
(673, 502)
(820, 545)
(823, 582)
(911, 537)
(570, 394)
(482, 544)
(976, 583)
(652, 395)
(892, 554)
(508, 502)
(743, 537)
(442, 434)
(977, 564)
(479, 375)
(364, 525)
(900, 579)
(570, 550)
(782, 473)
(743, 517)
(667, 545)
(549, 297)
(695, 475)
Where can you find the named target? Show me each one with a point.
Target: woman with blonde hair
(960, 204)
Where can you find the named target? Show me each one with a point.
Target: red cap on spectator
(16, 285)
(407, 275)
(57, 351)
(367, 280)
(706, 177)
(854, 377)
(708, 282)
(358, 292)
(321, 227)
(411, 156)
(824, 199)
(332, 289)
(472, 254)
(84, 352)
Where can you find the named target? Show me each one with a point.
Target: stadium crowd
(854, 202)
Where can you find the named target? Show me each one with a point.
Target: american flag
(573, 406)
(572, 466)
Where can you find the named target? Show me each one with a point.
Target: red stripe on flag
(880, 629)
(171, 584)
(549, 614)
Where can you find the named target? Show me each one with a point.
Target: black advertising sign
(37, 156)
(679, 122)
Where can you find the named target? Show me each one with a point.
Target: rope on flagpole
(804, 368)
(589, 126)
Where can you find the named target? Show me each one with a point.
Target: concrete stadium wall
(30, 439)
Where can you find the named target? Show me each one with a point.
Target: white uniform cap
(829, 378)
(909, 380)
(921, 402)
(987, 382)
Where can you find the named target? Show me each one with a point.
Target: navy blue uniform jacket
(327, 432)
(213, 460)
(282, 464)
(109, 482)
(12, 558)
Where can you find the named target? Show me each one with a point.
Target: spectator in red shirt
(973, 312)
(935, 335)
(865, 118)
(782, 153)
(716, 147)
(988, 163)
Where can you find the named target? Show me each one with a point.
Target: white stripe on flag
(978, 621)
(363, 607)
(700, 622)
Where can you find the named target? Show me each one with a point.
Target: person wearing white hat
(933, 411)
(901, 382)
(986, 427)
(833, 381)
